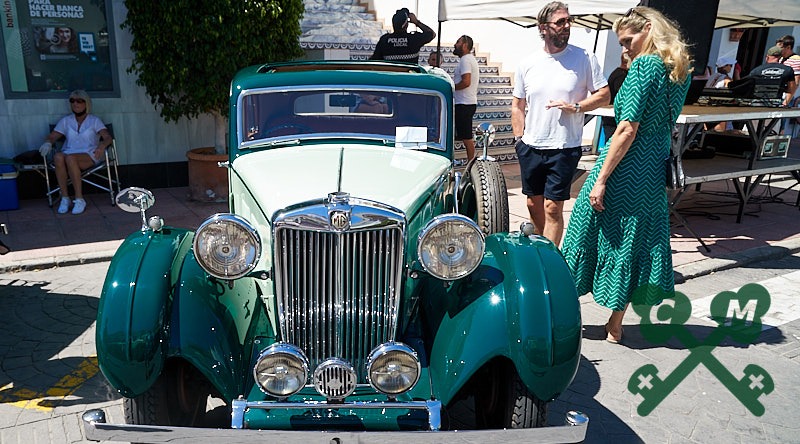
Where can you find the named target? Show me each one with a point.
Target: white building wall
(142, 135)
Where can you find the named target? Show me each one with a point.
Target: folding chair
(103, 175)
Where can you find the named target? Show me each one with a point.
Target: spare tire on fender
(485, 197)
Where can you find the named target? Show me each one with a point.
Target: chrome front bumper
(240, 406)
(96, 429)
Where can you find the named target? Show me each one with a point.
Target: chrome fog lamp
(227, 246)
(393, 368)
(335, 378)
(281, 370)
(451, 246)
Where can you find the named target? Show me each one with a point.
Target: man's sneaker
(63, 207)
(80, 205)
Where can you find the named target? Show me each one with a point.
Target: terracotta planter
(208, 182)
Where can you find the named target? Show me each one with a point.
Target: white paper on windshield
(411, 137)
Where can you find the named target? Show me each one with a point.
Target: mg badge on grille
(339, 220)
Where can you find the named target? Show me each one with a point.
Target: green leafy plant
(185, 52)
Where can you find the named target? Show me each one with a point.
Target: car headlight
(451, 246)
(227, 246)
(281, 370)
(393, 368)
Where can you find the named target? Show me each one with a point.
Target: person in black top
(615, 80)
(774, 70)
(401, 45)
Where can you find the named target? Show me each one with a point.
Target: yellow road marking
(45, 402)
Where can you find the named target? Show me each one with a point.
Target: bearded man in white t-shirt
(553, 88)
(466, 79)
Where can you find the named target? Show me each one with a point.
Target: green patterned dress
(623, 254)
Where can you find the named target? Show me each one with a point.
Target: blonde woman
(86, 139)
(617, 243)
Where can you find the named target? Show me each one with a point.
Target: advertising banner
(53, 46)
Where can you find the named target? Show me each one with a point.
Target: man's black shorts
(463, 121)
(547, 172)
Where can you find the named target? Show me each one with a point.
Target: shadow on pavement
(43, 348)
(604, 425)
(634, 340)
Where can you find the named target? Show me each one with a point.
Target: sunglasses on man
(562, 22)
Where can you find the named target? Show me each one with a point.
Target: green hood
(280, 178)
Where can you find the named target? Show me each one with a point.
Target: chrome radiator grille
(338, 292)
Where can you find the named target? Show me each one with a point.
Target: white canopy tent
(757, 13)
(597, 15)
(589, 14)
(601, 14)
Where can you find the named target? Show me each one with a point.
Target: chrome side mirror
(136, 200)
(484, 135)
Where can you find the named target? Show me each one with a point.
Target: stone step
(495, 90)
(448, 60)
(483, 70)
(504, 107)
(315, 6)
(485, 113)
(489, 100)
(504, 153)
(346, 21)
(340, 19)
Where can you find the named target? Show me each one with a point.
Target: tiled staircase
(346, 25)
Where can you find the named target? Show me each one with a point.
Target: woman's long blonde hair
(664, 39)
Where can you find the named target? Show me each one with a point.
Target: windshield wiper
(284, 142)
(273, 143)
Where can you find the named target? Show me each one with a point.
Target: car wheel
(525, 410)
(496, 398)
(489, 196)
(177, 398)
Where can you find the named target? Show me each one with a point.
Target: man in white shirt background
(466, 80)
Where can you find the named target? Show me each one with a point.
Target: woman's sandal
(610, 338)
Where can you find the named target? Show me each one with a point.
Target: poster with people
(52, 46)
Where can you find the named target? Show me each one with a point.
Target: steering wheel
(287, 129)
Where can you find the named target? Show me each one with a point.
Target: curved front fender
(520, 304)
(213, 326)
(132, 313)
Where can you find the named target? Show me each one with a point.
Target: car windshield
(409, 118)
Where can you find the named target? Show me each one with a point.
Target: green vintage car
(359, 285)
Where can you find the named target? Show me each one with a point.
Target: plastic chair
(104, 175)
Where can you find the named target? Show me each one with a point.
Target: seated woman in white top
(86, 141)
(723, 74)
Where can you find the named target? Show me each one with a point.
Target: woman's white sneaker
(80, 205)
(63, 207)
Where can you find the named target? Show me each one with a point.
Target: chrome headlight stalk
(281, 370)
(393, 368)
(451, 246)
(227, 246)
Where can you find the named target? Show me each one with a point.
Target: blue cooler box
(9, 199)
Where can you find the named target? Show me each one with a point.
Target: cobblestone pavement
(48, 366)
(700, 409)
(49, 376)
